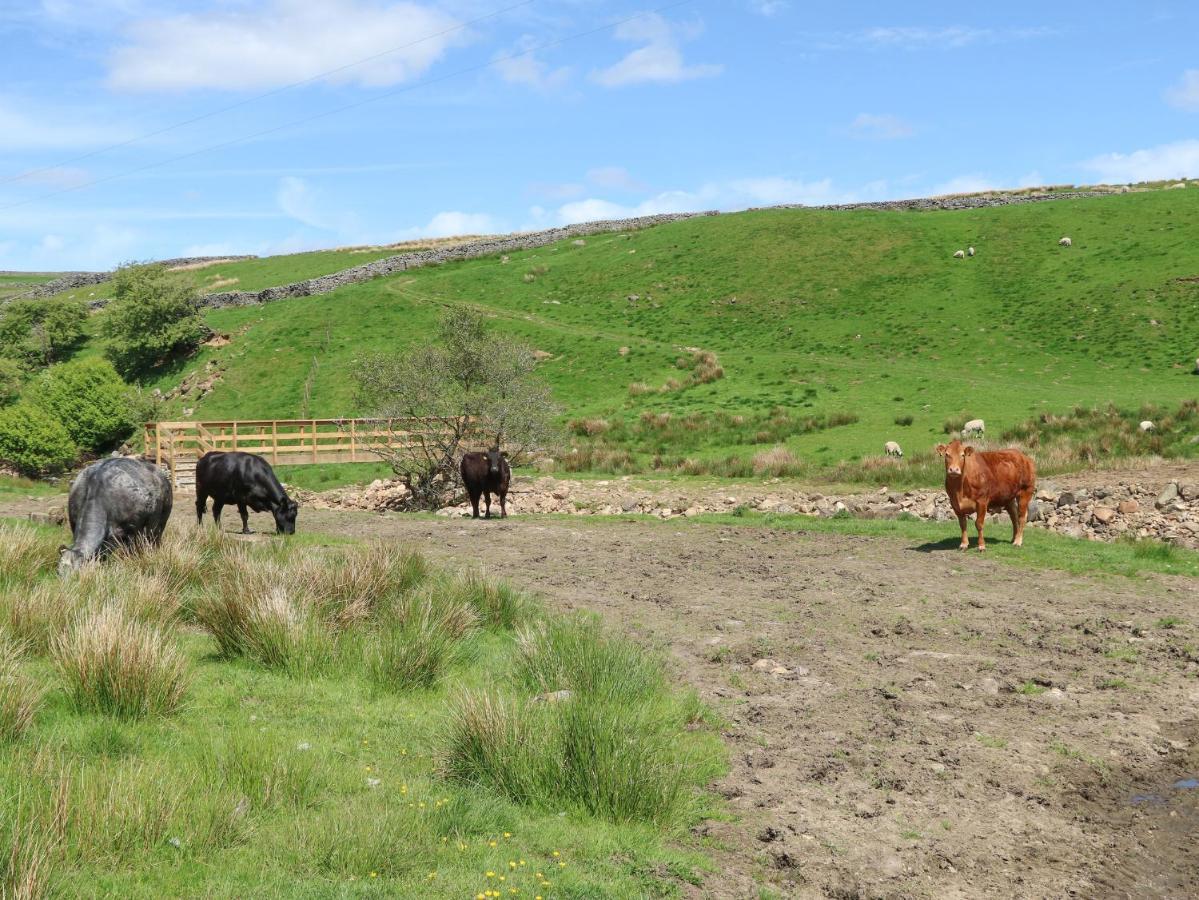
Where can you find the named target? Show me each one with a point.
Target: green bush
(33, 441)
(42, 332)
(10, 380)
(154, 316)
(89, 398)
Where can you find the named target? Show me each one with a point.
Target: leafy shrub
(42, 332)
(113, 664)
(34, 441)
(11, 378)
(154, 316)
(904, 420)
(89, 398)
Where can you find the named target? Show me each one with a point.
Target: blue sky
(473, 116)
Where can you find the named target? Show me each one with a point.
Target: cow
(247, 480)
(980, 482)
(486, 474)
(113, 503)
(893, 449)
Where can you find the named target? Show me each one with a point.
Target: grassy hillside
(269, 271)
(825, 314)
(14, 283)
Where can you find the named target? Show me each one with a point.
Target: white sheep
(1065, 242)
(969, 251)
(893, 449)
(974, 427)
(1147, 426)
(960, 254)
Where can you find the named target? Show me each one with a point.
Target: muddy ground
(950, 725)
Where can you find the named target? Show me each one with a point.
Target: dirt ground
(949, 725)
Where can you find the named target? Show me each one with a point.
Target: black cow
(487, 473)
(115, 503)
(247, 480)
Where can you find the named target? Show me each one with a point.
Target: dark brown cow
(486, 474)
(980, 482)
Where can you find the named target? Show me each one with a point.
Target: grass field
(12, 284)
(222, 720)
(824, 314)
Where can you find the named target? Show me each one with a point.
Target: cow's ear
(967, 451)
(941, 448)
(504, 453)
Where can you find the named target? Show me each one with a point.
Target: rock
(1066, 498)
(1168, 495)
(561, 492)
(1074, 531)
(692, 511)
(765, 665)
(1053, 696)
(1036, 511)
(780, 670)
(1189, 491)
(1103, 515)
(1129, 507)
(989, 686)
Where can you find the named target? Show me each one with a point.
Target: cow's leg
(245, 518)
(487, 499)
(980, 518)
(962, 520)
(201, 505)
(474, 504)
(1021, 518)
(503, 504)
(217, 506)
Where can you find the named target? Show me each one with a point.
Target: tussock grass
(37, 615)
(113, 664)
(20, 696)
(576, 654)
(497, 603)
(418, 647)
(24, 554)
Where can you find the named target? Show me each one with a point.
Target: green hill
(822, 313)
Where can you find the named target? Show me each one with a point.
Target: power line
(340, 109)
(271, 93)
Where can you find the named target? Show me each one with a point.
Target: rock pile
(1169, 513)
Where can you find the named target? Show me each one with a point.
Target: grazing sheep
(1147, 426)
(893, 449)
(974, 427)
(1065, 242)
(969, 251)
(960, 254)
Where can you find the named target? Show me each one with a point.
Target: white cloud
(300, 201)
(1177, 160)
(280, 42)
(660, 60)
(768, 7)
(944, 37)
(451, 224)
(1185, 94)
(883, 127)
(47, 128)
(521, 66)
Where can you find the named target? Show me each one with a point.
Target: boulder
(1103, 515)
(1168, 495)
(1066, 498)
(1189, 491)
(1129, 507)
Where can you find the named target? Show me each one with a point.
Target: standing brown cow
(485, 474)
(978, 482)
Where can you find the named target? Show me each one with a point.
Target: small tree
(33, 442)
(42, 332)
(437, 400)
(89, 398)
(154, 315)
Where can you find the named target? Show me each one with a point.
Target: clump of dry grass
(588, 427)
(24, 554)
(776, 462)
(638, 389)
(37, 615)
(25, 862)
(113, 664)
(20, 697)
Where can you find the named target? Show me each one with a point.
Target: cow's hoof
(247, 531)
(963, 546)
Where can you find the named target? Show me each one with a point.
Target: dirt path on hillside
(949, 725)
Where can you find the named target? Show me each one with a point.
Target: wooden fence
(283, 442)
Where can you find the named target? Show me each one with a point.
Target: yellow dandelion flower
(503, 878)
(522, 862)
(556, 853)
(561, 865)
(491, 843)
(374, 874)
(368, 768)
(480, 897)
(507, 834)
(490, 874)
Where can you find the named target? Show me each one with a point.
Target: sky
(135, 130)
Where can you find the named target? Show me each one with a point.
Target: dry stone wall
(73, 280)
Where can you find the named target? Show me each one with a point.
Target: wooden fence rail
(282, 442)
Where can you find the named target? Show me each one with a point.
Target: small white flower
(373, 782)
(303, 745)
(175, 842)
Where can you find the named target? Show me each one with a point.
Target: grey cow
(114, 503)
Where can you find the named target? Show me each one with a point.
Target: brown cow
(978, 482)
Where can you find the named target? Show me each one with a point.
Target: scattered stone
(989, 686)
(1168, 495)
(765, 665)
(1103, 515)
(1129, 507)
(1066, 498)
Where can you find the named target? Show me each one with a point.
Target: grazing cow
(115, 503)
(486, 474)
(1065, 242)
(893, 449)
(247, 480)
(981, 482)
(959, 254)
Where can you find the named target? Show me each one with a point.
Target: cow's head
(495, 461)
(69, 561)
(955, 455)
(285, 516)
